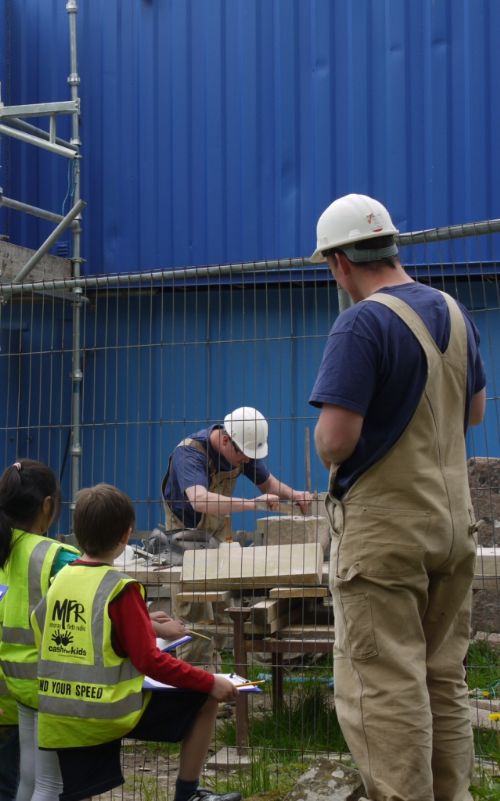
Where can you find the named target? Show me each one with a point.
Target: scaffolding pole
(76, 368)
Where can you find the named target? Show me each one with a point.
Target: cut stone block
(230, 565)
(290, 529)
(201, 597)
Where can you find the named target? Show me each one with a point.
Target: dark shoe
(202, 794)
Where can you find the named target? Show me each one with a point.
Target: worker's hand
(166, 627)
(271, 502)
(303, 500)
(223, 689)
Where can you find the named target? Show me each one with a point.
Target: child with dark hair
(96, 645)
(29, 503)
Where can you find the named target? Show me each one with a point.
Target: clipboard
(171, 645)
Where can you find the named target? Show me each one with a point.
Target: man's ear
(126, 536)
(48, 506)
(343, 263)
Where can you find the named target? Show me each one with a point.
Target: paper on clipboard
(238, 681)
(152, 684)
(171, 645)
(165, 645)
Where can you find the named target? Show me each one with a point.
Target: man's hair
(102, 515)
(375, 243)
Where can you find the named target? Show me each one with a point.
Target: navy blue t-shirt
(189, 468)
(373, 365)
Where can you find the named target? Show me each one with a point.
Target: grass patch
(147, 788)
(483, 671)
(488, 790)
(306, 722)
(487, 748)
(266, 774)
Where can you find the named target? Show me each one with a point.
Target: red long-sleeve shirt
(134, 637)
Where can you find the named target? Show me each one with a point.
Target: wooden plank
(265, 612)
(308, 632)
(274, 625)
(259, 566)
(271, 645)
(150, 575)
(210, 596)
(299, 592)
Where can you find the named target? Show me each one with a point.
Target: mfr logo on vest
(67, 622)
(69, 614)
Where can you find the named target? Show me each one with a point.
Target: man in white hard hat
(198, 493)
(400, 381)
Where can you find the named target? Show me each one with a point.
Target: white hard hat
(248, 428)
(350, 219)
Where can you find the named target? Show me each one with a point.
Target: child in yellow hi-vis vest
(29, 504)
(96, 645)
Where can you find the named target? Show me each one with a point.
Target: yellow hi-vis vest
(27, 573)
(8, 704)
(87, 693)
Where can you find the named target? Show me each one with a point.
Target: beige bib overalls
(198, 651)
(401, 568)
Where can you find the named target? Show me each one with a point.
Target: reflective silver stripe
(3, 688)
(40, 611)
(20, 670)
(109, 581)
(82, 709)
(35, 569)
(18, 636)
(87, 674)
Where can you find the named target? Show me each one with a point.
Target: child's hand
(223, 689)
(166, 627)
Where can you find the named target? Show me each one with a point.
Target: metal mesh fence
(103, 377)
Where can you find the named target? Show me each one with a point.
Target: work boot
(202, 794)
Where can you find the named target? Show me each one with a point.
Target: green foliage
(487, 790)
(149, 789)
(487, 748)
(306, 722)
(307, 725)
(265, 774)
(483, 670)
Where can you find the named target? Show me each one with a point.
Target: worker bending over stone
(198, 489)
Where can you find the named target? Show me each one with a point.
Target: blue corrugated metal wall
(158, 366)
(216, 131)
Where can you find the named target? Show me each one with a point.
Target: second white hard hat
(248, 428)
(351, 219)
